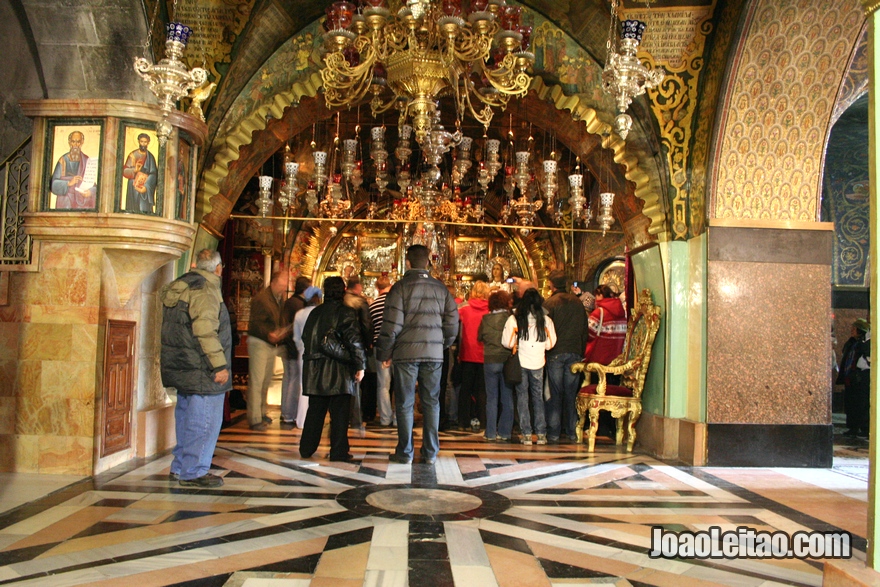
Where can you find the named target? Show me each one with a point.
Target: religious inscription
(216, 25)
(670, 35)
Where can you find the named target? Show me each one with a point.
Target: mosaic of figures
(782, 96)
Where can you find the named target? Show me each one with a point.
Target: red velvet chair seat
(610, 390)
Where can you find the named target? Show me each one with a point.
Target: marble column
(769, 344)
(87, 268)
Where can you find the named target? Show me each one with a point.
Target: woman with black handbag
(533, 333)
(333, 364)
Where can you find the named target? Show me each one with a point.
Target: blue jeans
(531, 387)
(564, 386)
(497, 389)
(291, 389)
(428, 377)
(197, 420)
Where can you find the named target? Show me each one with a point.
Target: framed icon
(139, 173)
(73, 175)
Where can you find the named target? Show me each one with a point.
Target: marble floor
(485, 515)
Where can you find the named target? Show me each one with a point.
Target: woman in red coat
(472, 395)
(607, 326)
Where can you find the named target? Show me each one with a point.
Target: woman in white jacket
(533, 333)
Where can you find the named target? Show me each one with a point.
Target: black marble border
(770, 445)
(355, 500)
(770, 245)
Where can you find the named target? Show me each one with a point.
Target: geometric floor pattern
(483, 515)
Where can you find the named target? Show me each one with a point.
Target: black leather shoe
(173, 476)
(267, 419)
(207, 480)
(395, 458)
(343, 459)
(288, 425)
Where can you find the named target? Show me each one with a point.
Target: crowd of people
(349, 356)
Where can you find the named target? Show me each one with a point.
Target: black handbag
(512, 369)
(334, 347)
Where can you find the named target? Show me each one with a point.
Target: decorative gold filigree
(632, 366)
(673, 103)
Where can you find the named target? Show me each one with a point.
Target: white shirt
(531, 352)
(299, 322)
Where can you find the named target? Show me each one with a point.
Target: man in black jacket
(567, 312)
(195, 358)
(419, 321)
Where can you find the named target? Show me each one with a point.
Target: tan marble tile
(45, 342)
(664, 579)
(20, 453)
(7, 415)
(84, 342)
(151, 504)
(8, 370)
(67, 527)
(145, 533)
(335, 582)
(71, 379)
(582, 560)
(344, 563)
(824, 504)
(229, 564)
(70, 455)
(46, 314)
(516, 569)
(27, 378)
(55, 415)
(13, 313)
(9, 341)
(65, 256)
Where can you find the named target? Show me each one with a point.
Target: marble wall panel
(7, 415)
(768, 343)
(21, 453)
(8, 341)
(45, 342)
(71, 455)
(27, 377)
(61, 314)
(13, 313)
(8, 369)
(64, 287)
(72, 379)
(84, 343)
(65, 255)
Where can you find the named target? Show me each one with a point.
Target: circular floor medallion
(424, 501)
(436, 503)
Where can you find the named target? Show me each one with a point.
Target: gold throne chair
(624, 401)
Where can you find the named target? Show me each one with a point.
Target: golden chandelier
(429, 49)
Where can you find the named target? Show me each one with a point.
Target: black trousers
(472, 395)
(857, 401)
(338, 406)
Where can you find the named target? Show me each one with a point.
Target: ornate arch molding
(779, 100)
(254, 140)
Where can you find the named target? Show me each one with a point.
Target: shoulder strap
(601, 320)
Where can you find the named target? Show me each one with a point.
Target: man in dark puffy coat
(419, 321)
(195, 359)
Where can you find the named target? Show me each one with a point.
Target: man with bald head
(68, 176)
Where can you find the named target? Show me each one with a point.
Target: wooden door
(119, 382)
